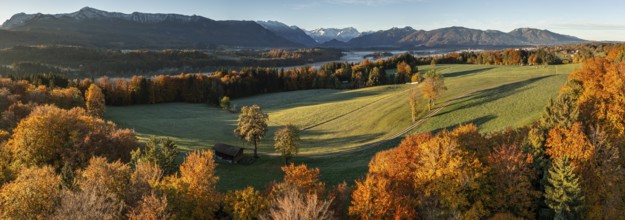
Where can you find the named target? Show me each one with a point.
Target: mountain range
(97, 28)
(322, 35)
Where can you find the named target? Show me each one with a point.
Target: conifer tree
(563, 194)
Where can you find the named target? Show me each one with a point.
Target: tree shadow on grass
(468, 72)
(301, 98)
(476, 121)
(488, 95)
(336, 141)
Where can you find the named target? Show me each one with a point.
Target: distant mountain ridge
(542, 37)
(97, 28)
(408, 37)
(322, 35)
(92, 27)
(292, 33)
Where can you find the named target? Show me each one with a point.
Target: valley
(333, 121)
(323, 109)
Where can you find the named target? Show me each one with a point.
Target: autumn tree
(404, 72)
(371, 200)
(151, 208)
(601, 98)
(570, 143)
(56, 137)
(95, 101)
(563, 194)
(144, 180)
(5, 165)
(106, 178)
(193, 194)
(432, 87)
(252, 125)
(413, 101)
(88, 203)
(511, 177)
(32, 195)
(286, 141)
(601, 178)
(304, 179)
(458, 192)
(159, 151)
(374, 77)
(245, 204)
(67, 98)
(293, 204)
(224, 103)
(424, 177)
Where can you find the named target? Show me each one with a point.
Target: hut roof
(227, 149)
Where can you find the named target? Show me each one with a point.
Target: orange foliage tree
(571, 143)
(424, 177)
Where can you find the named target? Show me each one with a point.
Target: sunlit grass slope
(493, 97)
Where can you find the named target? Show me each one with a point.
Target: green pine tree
(563, 112)
(563, 194)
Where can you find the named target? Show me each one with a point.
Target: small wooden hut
(228, 152)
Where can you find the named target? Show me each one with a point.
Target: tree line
(211, 88)
(80, 62)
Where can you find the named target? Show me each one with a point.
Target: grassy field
(495, 97)
(327, 117)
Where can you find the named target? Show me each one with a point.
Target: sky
(587, 19)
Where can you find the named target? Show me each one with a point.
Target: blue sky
(589, 19)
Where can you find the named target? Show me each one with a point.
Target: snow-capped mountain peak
(322, 35)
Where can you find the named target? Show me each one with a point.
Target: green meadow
(335, 121)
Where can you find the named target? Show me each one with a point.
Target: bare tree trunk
(430, 105)
(255, 150)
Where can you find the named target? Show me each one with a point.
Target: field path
(396, 135)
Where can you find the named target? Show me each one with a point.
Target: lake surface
(358, 56)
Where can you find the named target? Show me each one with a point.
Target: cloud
(599, 27)
(372, 2)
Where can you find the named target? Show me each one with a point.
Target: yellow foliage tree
(193, 194)
(32, 195)
(245, 204)
(424, 177)
(95, 101)
(113, 178)
(432, 87)
(54, 136)
(413, 101)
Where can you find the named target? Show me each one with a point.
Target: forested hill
(408, 37)
(92, 27)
